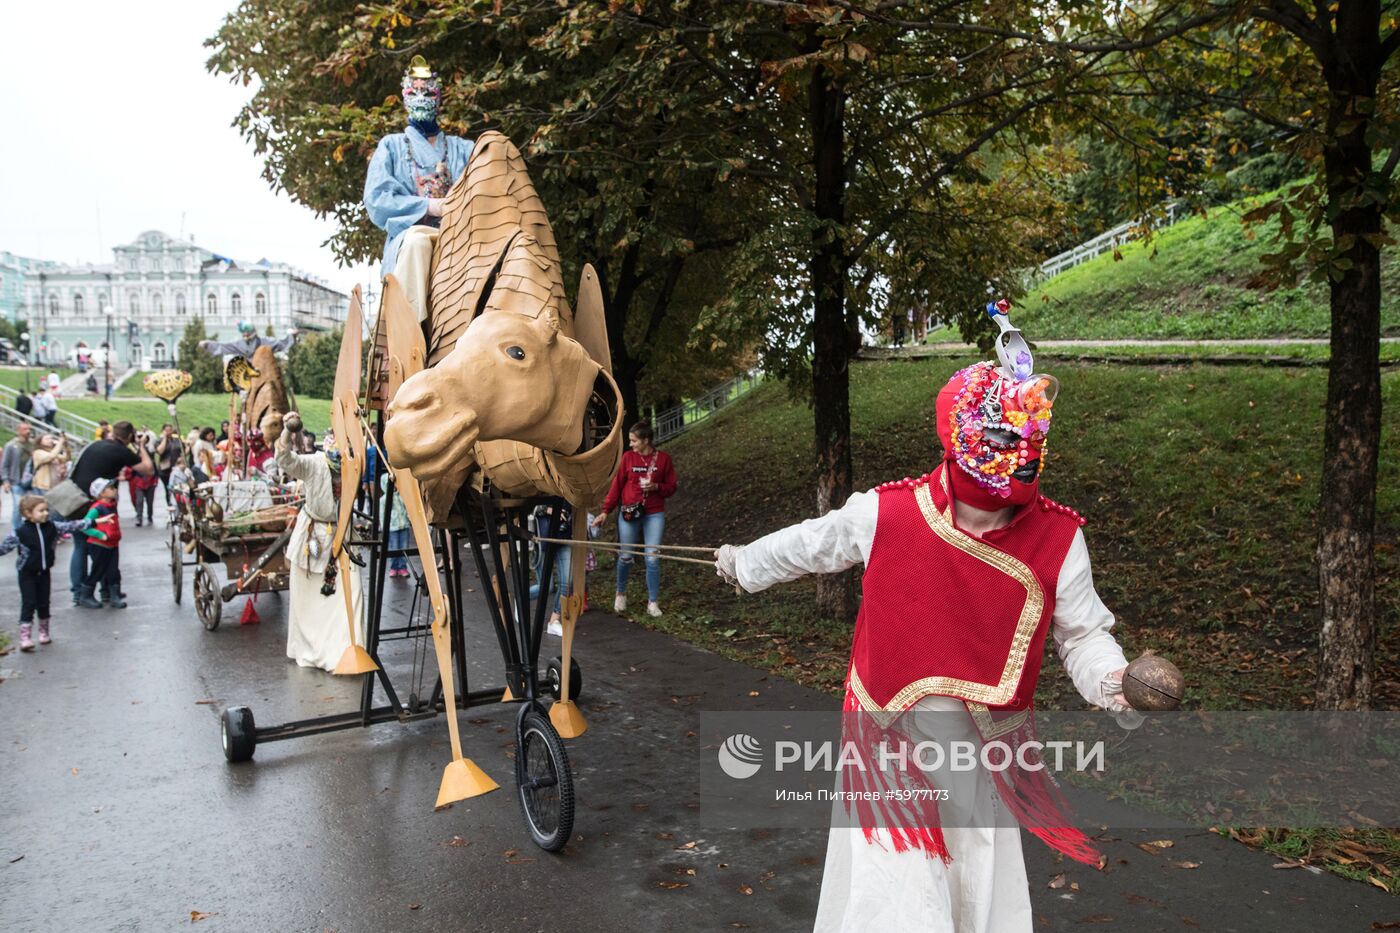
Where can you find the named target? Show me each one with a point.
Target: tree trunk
(617, 305)
(831, 351)
(1351, 435)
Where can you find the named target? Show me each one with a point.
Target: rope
(654, 547)
(631, 549)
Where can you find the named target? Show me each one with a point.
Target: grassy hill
(1192, 281)
(1199, 484)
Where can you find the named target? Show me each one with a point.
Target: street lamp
(107, 355)
(28, 351)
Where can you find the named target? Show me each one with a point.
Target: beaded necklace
(439, 150)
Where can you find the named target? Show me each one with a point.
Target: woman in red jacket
(645, 479)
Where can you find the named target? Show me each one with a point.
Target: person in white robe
(317, 631)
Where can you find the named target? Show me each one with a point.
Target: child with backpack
(104, 536)
(35, 537)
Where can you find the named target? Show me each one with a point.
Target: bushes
(311, 364)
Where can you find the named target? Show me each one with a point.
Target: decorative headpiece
(422, 93)
(993, 421)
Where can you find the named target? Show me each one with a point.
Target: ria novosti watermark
(804, 769)
(741, 756)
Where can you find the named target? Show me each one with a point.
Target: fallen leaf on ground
(1057, 882)
(685, 845)
(456, 842)
(1288, 864)
(203, 702)
(511, 853)
(197, 915)
(753, 693)
(745, 890)
(1097, 918)
(74, 770)
(16, 859)
(1385, 925)
(672, 885)
(1162, 843)
(1186, 864)
(414, 906)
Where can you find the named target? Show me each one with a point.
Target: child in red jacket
(104, 534)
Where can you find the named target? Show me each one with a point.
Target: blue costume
(402, 176)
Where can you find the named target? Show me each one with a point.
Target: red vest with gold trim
(949, 614)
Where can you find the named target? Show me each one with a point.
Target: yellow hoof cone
(356, 660)
(568, 720)
(462, 779)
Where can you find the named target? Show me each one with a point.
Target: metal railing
(76, 426)
(671, 422)
(1110, 239)
(10, 419)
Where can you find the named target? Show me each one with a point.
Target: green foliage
(1195, 280)
(311, 364)
(207, 369)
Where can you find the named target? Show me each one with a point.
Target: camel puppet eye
(515, 353)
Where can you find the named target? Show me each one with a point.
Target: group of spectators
(41, 404)
(33, 464)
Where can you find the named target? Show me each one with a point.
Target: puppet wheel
(544, 782)
(239, 734)
(554, 676)
(177, 564)
(206, 598)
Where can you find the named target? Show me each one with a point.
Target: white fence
(1110, 239)
(673, 421)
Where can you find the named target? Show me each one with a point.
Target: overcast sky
(113, 127)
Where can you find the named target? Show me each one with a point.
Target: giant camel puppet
(504, 391)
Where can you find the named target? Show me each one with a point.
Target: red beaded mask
(993, 430)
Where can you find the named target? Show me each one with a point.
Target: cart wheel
(544, 782)
(240, 735)
(554, 675)
(177, 564)
(206, 598)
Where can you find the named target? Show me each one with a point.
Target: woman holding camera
(644, 481)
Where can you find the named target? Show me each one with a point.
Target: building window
(260, 304)
(53, 306)
(180, 303)
(157, 304)
(78, 303)
(237, 302)
(158, 354)
(211, 305)
(133, 301)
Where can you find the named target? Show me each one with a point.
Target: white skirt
(317, 633)
(982, 889)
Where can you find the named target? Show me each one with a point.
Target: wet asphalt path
(118, 811)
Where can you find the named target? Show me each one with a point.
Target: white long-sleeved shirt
(842, 538)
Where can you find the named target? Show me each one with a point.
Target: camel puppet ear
(590, 325)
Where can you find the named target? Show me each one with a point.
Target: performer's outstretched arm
(836, 541)
(1083, 627)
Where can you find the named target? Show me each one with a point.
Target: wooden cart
(253, 554)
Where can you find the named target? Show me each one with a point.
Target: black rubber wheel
(240, 735)
(544, 782)
(554, 676)
(177, 564)
(207, 601)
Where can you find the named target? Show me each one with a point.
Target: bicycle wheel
(544, 782)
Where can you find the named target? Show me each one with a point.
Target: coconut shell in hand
(1151, 684)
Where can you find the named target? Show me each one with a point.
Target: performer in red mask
(967, 570)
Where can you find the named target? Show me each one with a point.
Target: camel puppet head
(514, 374)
